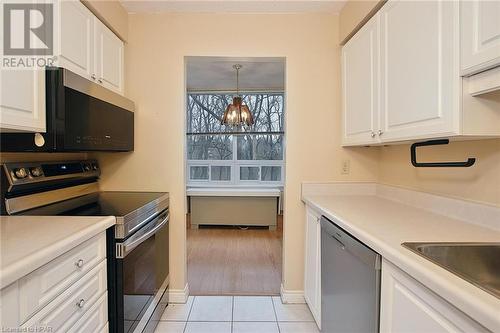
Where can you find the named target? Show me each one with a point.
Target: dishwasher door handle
(342, 245)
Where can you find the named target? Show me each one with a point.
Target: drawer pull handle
(80, 303)
(79, 263)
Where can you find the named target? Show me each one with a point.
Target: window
(218, 156)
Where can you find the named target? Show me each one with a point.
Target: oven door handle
(124, 248)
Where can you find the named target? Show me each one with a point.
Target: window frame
(234, 163)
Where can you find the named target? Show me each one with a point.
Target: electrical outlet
(346, 167)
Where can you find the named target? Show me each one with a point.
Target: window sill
(233, 192)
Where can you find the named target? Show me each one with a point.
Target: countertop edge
(411, 264)
(34, 261)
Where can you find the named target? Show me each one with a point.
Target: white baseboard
(178, 295)
(291, 296)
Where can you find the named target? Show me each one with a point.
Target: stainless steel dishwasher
(350, 282)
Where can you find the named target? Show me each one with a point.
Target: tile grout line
(232, 314)
(189, 314)
(275, 315)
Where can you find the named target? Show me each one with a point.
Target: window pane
(270, 174)
(249, 173)
(221, 173)
(210, 147)
(204, 112)
(260, 147)
(267, 110)
(198, 172)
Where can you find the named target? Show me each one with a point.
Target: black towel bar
(413, 152)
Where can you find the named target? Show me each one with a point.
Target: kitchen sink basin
(477, 263)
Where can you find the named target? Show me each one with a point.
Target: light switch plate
(346, 167)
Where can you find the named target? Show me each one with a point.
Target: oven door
(142, 276)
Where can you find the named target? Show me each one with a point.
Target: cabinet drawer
(43, 285)
(95, 319)
(67, 309)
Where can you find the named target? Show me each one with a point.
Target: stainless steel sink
(477, 263)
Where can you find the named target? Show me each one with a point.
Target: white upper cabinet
(419, 53)
(108, 57)
(360, 81)
(75, 38)
(87, 47)
(22, 100)
(401, 78)
(480, 35)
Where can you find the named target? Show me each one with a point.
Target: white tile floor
(238, 314)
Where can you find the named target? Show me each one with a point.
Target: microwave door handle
(133, 243)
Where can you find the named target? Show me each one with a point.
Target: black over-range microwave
(81, 116)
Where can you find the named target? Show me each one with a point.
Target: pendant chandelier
(237, 114)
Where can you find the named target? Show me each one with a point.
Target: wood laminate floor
(231, 261)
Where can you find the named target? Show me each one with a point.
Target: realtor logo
(28, 29)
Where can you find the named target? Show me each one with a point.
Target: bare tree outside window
(209, 140)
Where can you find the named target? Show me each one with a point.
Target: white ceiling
(233, 6)
(217, 73)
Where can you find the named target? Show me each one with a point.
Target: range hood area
(81, 116)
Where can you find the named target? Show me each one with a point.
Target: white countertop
(383, 225)
(29, 242)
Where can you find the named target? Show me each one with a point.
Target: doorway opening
(234, 176)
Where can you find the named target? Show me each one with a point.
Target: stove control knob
(87, 167)
(20, 173)
(94, 166)
(36, 172)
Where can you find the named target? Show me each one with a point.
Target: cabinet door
(108, 57)
(360, 85)
(75, 38)
(312, 282)
(480, 35)
(22, 100)
(408, 306)
(420, 90)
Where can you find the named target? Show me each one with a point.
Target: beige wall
(480, 183)
(112, 13)
(353, 12)
(33, 157)
(155, 55)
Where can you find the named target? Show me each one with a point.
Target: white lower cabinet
(68, 294)
(312, 267)
(69, 307)
(408, 306)
(95, 319)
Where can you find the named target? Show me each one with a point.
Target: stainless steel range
(137, 247)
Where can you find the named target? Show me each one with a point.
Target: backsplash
(480, 183)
